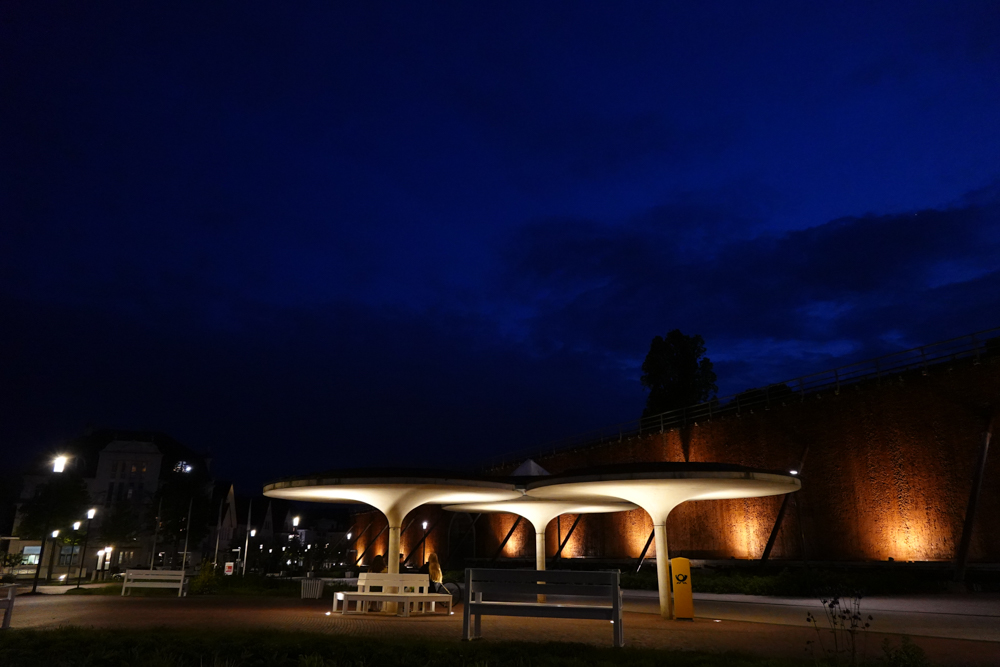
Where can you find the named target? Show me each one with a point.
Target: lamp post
(52, 563)
(83, 554)
(58, 466)
(246, 549)
(423, 545)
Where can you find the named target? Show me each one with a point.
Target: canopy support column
(540, 549)
(393, 558)
(540, 555)
(663, 570)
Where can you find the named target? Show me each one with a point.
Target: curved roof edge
(659, 470)
(414, 476)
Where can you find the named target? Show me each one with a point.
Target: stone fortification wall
(888, 475)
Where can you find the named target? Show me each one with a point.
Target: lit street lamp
(423, 545)
(91, 513)
(246, 549)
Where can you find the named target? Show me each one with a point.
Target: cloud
(834, 288)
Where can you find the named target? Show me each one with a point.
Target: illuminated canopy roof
(394, 492)
(540, 511)
(656, 487)
(659, 487)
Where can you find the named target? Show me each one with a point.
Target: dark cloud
(801, 300)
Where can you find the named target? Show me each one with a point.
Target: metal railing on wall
(972, 346)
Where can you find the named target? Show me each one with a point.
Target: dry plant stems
(846, 627)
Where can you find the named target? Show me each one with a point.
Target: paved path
(641, 629)
(975, 616)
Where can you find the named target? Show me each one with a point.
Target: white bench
(585, 586)
(407, 589)
(7, 605)
(155, 579)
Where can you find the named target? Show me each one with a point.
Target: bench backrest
(531, 582)
(154, 575)
(420, 583)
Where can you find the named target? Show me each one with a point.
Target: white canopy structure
(395, 493)
(540, 512)
(656, 487)
(660, 487)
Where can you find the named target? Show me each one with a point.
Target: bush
(907, 654)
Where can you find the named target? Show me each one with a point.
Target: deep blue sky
(306, 236)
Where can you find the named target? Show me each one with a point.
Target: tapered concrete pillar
(540, 549)
(663, 570)
(393, 564)
(393, 554)
(540, 555)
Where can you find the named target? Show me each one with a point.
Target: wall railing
(974, 346)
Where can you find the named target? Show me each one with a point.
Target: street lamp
(423, 545)
(246, 549)
(59, 463)
(91, 513)
(53, 559)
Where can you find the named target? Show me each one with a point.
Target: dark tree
(677, 373)
(180, 491)
(121, 527)
(57, 504)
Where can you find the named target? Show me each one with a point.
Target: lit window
(183, 466)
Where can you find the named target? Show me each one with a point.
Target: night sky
(341, 234)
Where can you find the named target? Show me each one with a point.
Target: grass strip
(165, 647)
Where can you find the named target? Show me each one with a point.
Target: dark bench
(585, 586)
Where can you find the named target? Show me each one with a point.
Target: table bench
(407, 589)
(7, 594)
(584, 586)
(155, 579)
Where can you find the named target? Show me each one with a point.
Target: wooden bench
(407, 589)
(155, 579)
(585, 586)
(7, 594)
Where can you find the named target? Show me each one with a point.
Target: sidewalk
(57, 589)
(955, 616)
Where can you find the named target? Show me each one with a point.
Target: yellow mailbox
(680, 575)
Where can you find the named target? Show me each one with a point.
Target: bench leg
(478, 632)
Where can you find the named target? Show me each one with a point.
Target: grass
(71, 647)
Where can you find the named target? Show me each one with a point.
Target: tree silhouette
(57, 504)
(677, 373)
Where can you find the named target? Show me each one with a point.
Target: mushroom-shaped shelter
(660, 487)
(540, 512)
(394, 492)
